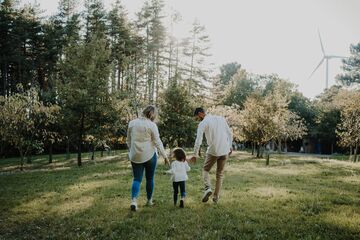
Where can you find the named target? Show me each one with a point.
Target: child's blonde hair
(179, 154)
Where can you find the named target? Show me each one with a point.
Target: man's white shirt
(217, 133)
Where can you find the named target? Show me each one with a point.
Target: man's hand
(167, 162)
(231, 150)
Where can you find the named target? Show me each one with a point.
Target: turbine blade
(335, 56)
(322, 46)
(322, 60)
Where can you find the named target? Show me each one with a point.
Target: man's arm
(199, 138)
(230, 135)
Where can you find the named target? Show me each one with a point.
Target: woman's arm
(155, 137)
(128, 136)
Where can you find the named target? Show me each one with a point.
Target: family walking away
(144, 143)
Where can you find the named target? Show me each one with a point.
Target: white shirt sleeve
(199, 137)
(156, 139)
(187, 167)
(128, 136)
(229, 132)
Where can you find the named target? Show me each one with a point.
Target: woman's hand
(167, 162)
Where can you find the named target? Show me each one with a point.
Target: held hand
(167, 162)
(192, 159)
(231, 150)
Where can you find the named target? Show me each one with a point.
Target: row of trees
(265, 109)
(79, 77)
(97, 69)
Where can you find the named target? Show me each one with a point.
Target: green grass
(293, 198)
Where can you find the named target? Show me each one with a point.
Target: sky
(268, 36)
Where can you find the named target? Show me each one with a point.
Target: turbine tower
(325, 58)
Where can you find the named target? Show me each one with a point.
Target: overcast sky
(269, 36)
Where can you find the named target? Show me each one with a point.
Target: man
(219, 139)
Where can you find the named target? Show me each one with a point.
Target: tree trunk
(102, 152)
(279, 146)
(93, 153)
(118, 76)
(135, 77)
(350, 153)
(67, 148)
(252, 148)
(28, 158)
(92, 148)
(21, 160)
(261, 147)
(113, 80)
(50, 152)
(80, 139)
(258, 151)
(2, 146)
(267, 159)
(355, 153)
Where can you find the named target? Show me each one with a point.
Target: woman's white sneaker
(133, 205)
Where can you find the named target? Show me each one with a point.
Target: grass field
(294, 198)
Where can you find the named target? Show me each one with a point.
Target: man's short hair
(198, 110)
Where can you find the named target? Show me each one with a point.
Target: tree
(120, 39)
(196, 52)
(266, 118)
(150, 24)
(26, 118)
(84, 74)
(173, 49)
(238, 89)
(95, 19)
(304, 108)
(177, 126)
(227, 71)
(351, 67)
(348, 129)
(256, 121)
(327, 116)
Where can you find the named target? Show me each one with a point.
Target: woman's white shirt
(143, 140)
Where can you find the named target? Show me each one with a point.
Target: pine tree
(150, 23)
(197, 52)
(351, 67)
(177, 126)
(95, 19)
(84, 89)
(120, 37)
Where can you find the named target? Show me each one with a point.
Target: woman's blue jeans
(138, 173)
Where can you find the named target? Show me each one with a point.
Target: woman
(143, 140)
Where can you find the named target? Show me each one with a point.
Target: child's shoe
(149, 202)
(181, 203)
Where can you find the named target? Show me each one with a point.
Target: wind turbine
(325, 58)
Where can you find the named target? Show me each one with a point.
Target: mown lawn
(294, 198)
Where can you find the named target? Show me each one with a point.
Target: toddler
(178, 171)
